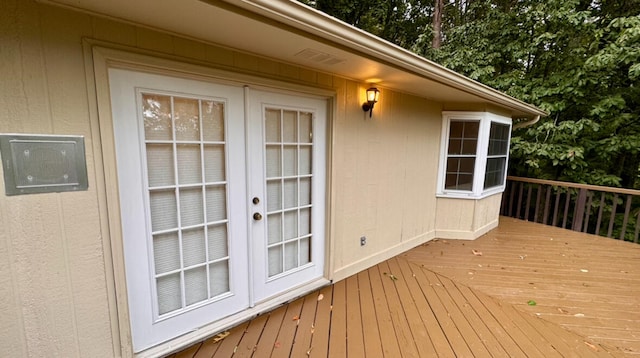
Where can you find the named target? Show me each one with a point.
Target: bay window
(474, 154)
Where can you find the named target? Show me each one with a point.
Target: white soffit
(293, 33)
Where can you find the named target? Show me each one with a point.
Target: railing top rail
(576, 185)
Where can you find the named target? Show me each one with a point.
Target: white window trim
(485, 119)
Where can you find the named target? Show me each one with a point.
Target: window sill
(469, 195)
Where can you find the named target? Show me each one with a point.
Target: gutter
(319, 24)
(526, 123)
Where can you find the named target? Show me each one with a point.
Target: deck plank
(370, 331)
(389, 341)
(535, 291)
(355, 339)
(322, 324)
(338, 331)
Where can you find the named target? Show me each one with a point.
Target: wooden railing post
(578, 212)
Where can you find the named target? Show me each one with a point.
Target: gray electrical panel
(43, 163)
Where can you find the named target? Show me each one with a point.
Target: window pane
(216, 203)
(274, 195)
(495, 174)
(275, 260)
(460, 173)
(498, 139)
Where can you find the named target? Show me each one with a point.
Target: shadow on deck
(523, 289)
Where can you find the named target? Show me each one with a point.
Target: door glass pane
(160, 165)
(275, 260)
(187, 118)
(219, 277)
(189, 165)
(274, 228)
(290, 161)
(193, 247)
(217, 235)
(290, 255)
(305, 251)
(305, 160)
(305, 191)
(305, 128)
(195, 285)
(272, 125)
(214, 170)
(274, 168)
(163, 210)
(216, 203)
(290, 193)
(274, 195)
(290, 127)
(290, 225)
(169, 296)
(213, 121)
(156, 115)
(305, 222)
(191, 210)
(166, 252)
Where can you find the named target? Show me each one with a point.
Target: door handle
(257, 216)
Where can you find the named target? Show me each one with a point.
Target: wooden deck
(523, 290)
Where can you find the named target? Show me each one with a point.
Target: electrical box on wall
(43, 163)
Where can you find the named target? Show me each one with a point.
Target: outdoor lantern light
(372, 98)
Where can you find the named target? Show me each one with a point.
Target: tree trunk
(437, 24)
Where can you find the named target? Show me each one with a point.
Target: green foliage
(577, 59)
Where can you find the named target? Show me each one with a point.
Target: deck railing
(600, 210)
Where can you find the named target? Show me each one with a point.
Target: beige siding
(467, 218)
(56, 295)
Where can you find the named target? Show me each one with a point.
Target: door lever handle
(257, 216)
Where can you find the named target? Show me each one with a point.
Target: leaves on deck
(584, 270)
(220, 336)
(532, 303)
(476, 252)
(591, 346)
(320, 297)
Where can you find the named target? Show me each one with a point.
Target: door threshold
(202, 333)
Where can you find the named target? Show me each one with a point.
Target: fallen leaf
(584, 270)
(591, 346)
(532, 303)
(562, 311)
(579, 315)
(320, 297)
(277, 345)
(522, 257)
(309, 351)
(235, 349)
(296, 318)
(393, 277)
(476, 252)
(220, 336)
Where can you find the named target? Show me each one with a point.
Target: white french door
(287, 155)
(221, 193)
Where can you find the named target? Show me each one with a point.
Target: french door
(221, 191)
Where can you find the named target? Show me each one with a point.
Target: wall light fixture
(373, 94)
